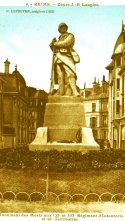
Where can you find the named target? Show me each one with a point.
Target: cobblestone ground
(10, 206)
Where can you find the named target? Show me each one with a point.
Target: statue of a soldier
(63, 64)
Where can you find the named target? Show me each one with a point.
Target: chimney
(7, 63)
(85, 85)
(16, 67)
(104, 85)
(95, 85)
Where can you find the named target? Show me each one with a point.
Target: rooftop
(17, 74)
(119, 45)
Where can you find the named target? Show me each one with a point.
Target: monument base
(40, 142)
(64, 116)
(64, 120)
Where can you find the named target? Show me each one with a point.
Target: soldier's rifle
(52, 71)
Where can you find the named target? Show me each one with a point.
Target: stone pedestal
(40, 139)
(63, 118)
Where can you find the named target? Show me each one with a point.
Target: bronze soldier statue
(63, 64)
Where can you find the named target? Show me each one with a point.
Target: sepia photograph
(62, 110)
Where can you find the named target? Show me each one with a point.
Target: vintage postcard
(62, 110)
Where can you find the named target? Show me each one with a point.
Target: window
(22, 113)
(117, 106)
(33, 114)
(29, 137)
(93, 122)
(32, 137)
(123, 105)
(25, 114)
(19, 111)
(25, 134)
(18, 134)
(19, 86)
(123, 84)
(94, 134)
(118, 83)
(122, 144)
(93, 107)
(21, 135)
(104, 135)
(32, 124)
(118, 62)
(114, 144)
(114, 85)
(104, 121)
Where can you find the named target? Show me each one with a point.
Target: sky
(25, 39)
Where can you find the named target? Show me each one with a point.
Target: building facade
(117, 93)
(36, 109)
(15, 108)
(96, 110)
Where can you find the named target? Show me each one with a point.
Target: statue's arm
(67, 42)
(51, 44)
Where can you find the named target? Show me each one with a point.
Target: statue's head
(62, 28)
